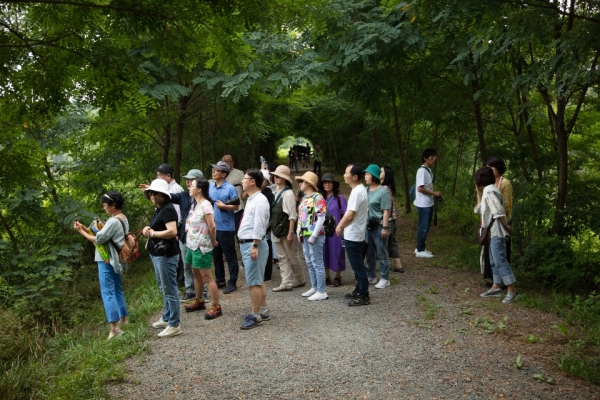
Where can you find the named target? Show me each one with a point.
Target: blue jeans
(187, 270)
(425, 216)
(502, 273)
(112, 294)
(226, 247)
(377, 249)
(355, 250)
(313, 254)
(167, 269)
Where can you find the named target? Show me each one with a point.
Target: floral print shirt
(198, 234)
(310, 208)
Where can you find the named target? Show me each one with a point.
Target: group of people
(200, 227)
(301, 155)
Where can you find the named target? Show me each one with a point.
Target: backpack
(129, 252)
(412, 193)
(279, 222)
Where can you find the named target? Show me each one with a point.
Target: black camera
(373, 223)
(232, 202)
(160, 247)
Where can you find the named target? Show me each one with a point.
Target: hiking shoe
(250, 321)
(213, 312)
(221, 285)
(265, 315)
(160, 324)
(509, 297)
(171, 331)
(492, 293)
(229, 289)
(309, 292)
(383, 283)
(372, 281)
(282, 288)
(359, 301)
(319, 296)
(195, 306)
(352, 295)
(423, 254)
(187, 297)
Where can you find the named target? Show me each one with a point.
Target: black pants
(226, 248)
(317, 166)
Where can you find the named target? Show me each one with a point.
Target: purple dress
(334, 256)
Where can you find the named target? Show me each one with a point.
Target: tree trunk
(403, 157)
(458, 158)
(479, 121)
(166, 133)
(179, 130)
(11, 235)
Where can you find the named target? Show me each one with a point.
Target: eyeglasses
(151, 193)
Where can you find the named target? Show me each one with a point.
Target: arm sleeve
(344, 204)
(109, 231)
(507, 193)
(289, 204)
(319, 224)
(386, 204)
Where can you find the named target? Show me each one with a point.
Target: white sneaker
(160, 324)
(171, 331)
(423, 254)
(383, 283)
(309, 293)
(319, 296)
(372, 281)
(424, 251)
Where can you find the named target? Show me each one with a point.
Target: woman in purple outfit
(334, 256)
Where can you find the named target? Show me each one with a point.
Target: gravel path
(422, 338)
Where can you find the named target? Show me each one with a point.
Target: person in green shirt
(318, 158)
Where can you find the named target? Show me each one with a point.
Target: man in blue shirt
(222, 192)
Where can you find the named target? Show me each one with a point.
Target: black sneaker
(352, 295)
(229, 289)
(221, 285)
(187, 297)
(359, 301)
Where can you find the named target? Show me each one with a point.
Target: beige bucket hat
(311, 178)
(283, 172)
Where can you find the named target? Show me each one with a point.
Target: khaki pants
(289, 262)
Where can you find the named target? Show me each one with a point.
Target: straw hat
(158, 185)
(283, 172)
(311, 178)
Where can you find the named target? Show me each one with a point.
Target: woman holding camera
(377, 228)
(109, 273)
(164, 252)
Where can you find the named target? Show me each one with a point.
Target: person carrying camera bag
(164, 252)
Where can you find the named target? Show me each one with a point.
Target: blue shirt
(224, 220)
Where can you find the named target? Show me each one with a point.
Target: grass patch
(76, 363)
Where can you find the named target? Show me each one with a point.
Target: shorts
(197, 259)
(255, 269)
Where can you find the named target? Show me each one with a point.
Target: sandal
(336, 282)
(327, 281)
(396, 269)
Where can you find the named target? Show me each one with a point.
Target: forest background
(95, 94)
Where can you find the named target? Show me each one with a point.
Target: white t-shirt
(358, 202)
(424, 178)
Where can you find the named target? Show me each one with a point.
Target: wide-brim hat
(329, 178)
(157, 185)
(283, 172)
(194, 174)
(374, 170)
(311, 178)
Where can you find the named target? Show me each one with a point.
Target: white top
(174, 187)
(491, 206)
(289, 207)
(424, 178)
(256, 217)
(358, 202)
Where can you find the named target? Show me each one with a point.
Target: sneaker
(187, 297)
(250, 321)
(319, 296)
(195, 306)
(492, 293)
(282, 288)
(229, 289)
(160, 324)
(309, 293)
(301, 284)
(171, 331)
(213, 312)
(352, 295)
(423, 254)
(372, 281)
(265, 315)
(509, 297)
(359, 301)
(424, 251)
(221, 285)
(383, 283)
